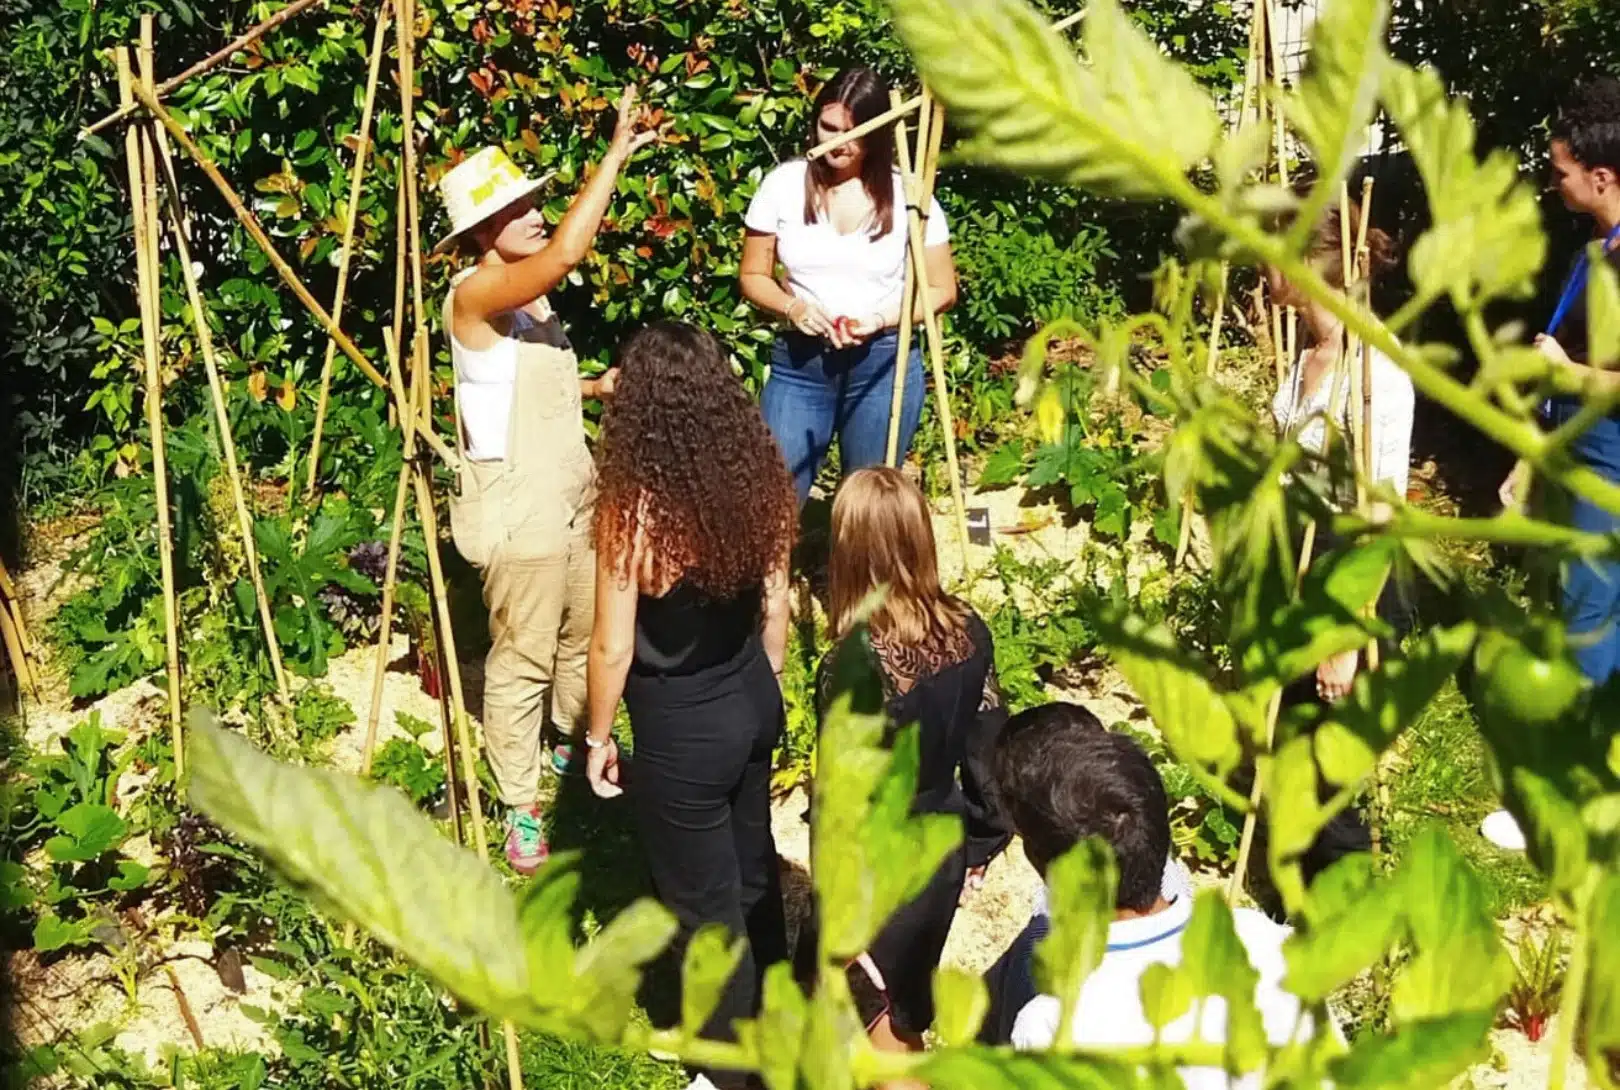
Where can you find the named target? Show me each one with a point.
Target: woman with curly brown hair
(695, 519)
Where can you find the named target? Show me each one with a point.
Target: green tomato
(1516, 686)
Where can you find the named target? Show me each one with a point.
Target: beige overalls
(525, 523)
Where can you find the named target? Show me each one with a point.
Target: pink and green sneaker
(526, 847)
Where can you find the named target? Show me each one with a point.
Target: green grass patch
(1445, 776)
(550, 1063)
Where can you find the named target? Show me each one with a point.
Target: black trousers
(701, 793)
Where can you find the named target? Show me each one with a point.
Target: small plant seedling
(1538, 984)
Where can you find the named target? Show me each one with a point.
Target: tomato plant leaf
(961, 1001)
(1081, 883)
(711, 957)
(1131, 124)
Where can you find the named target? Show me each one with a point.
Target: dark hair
(1589, 122)
(687, 462)
(1062, 778)
(867, 96)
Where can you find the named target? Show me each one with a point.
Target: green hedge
(734, 75)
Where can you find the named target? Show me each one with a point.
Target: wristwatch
(592, 743)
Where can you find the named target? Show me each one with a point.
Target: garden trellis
(154, 189)
(150, 169)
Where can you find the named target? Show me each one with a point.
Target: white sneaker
(701, 1083)
(1501, 829)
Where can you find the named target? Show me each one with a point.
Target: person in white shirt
(522, 511)
(1315, 391)
(1305, 401)
(838, 228)
(1062, 779)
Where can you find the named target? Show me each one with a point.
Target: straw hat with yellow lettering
(480, 186)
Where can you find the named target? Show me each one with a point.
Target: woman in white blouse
(1301, 406)
(837, 227)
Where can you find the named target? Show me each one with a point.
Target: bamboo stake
(1251, 67)
(357, 177)
(1290, 315)
(390, 579)
(1184, 532)
(250, 223)
(227, 441)
(908, 290)
(167, 87)
(1250, 87)
(405, 35)
(401, 248)
(10, 633)
(148, 36)
(137, 156)
(8, 590)
(922, 177)
(452, 668)
(447, 648)
(1068, 21)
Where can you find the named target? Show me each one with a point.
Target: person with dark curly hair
(695, 520)
(1585, 153)
(1586, 169)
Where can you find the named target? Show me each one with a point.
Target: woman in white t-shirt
(838, 229)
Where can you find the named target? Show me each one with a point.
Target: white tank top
(484, 380)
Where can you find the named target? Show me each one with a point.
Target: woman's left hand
(862, 329)
(972, 883)
(1335, 676)
(607, 382)
(1549, 347)
(602, 769)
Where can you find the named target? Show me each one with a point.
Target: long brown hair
(1325, 250)
(882, 536)
(867, 96)
(687, 463)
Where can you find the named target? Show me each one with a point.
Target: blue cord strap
(1115, 947)
(1577, 283)
(1573, 286)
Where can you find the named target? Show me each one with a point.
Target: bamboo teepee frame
(150, 168)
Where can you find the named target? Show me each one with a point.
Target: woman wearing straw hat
(522, 514)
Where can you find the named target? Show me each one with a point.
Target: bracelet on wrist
(592, 743)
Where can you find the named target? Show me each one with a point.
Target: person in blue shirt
(1586, 169)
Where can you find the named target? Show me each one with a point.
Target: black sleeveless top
(684, 630)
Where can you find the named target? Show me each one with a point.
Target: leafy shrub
(72, 817)
(408, 767)
(1016, 275)
(1092, 461)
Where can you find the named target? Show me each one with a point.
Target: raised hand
(630, 134)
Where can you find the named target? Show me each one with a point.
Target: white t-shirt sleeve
(1393, 406)
(1037, 1024)
(779, 192)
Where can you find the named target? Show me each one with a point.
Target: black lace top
(950, 690)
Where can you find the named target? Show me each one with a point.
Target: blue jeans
(1591, 587)
(816, 391)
